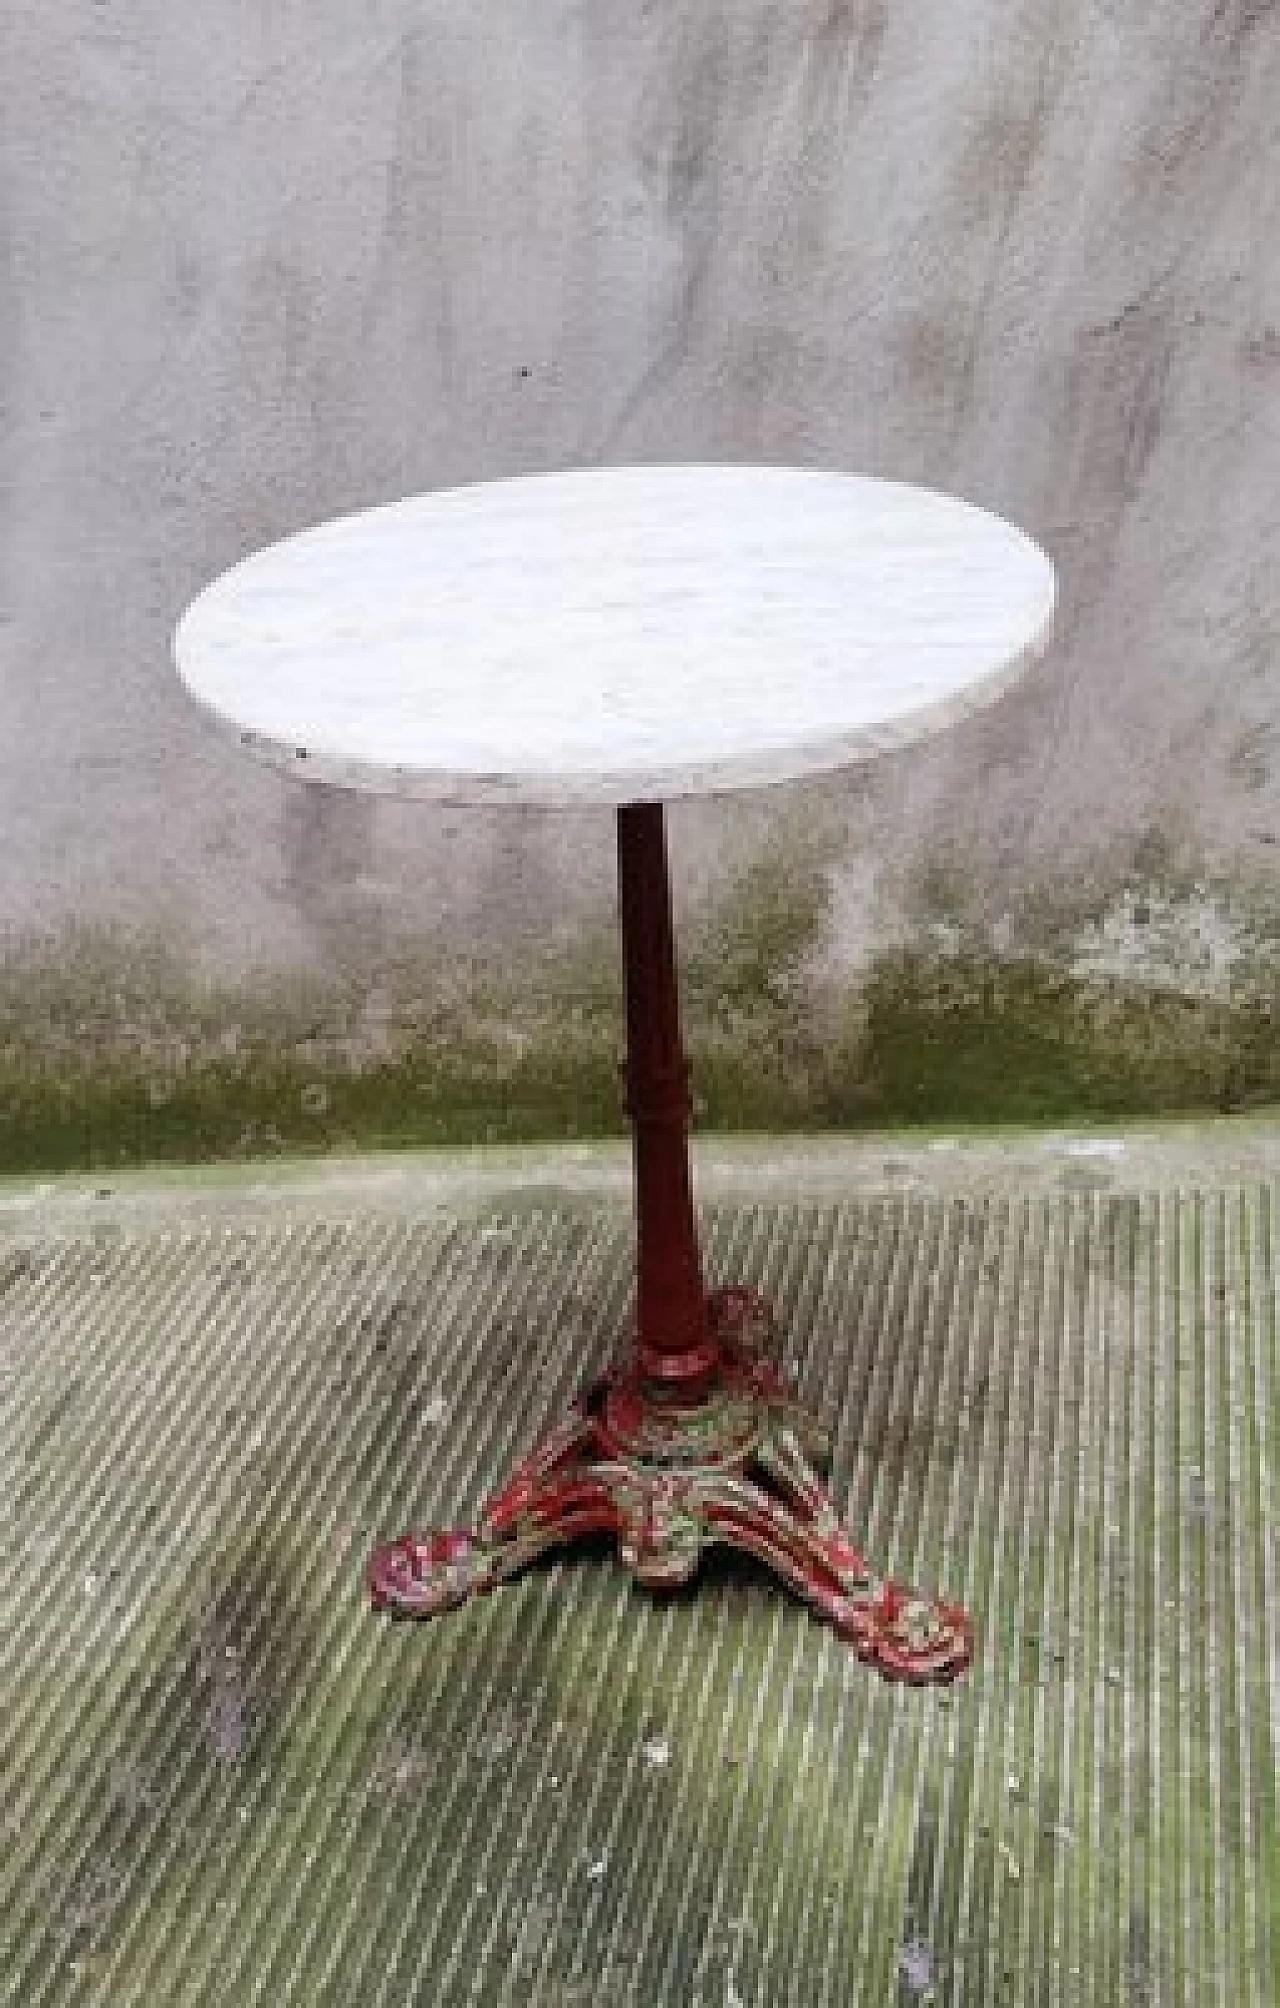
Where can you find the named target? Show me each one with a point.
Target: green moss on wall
(973, 1040)
(109, 1057)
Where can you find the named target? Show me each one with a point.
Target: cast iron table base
(697, 1442)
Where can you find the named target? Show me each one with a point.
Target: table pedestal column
(675, 1349)
(696, 1440)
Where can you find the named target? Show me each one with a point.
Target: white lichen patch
(1194, 944)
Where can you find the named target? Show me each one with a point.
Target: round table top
(616, 635)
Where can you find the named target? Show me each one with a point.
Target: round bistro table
(620, 637)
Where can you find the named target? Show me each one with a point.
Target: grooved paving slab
(223, 1781)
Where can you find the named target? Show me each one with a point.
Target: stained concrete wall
(266, 260)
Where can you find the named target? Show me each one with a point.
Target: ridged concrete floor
(223, 1781)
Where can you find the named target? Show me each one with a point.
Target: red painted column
(677, 1351)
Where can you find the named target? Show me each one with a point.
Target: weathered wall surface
(265, 261)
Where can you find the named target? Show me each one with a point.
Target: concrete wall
(266, 260)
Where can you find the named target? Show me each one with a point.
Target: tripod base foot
(738, 1468)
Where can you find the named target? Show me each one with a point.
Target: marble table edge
(803, 759)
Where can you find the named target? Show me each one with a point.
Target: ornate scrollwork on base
(736, 1468)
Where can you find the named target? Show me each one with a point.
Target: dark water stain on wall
(328, 856)
(678, 160)
(1236, 20)
(848, 35)
(328, 837)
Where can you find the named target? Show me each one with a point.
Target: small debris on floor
(226, 1723)
(94, 1894)
(499, 1732)
(403, 1766)
(915, 1964)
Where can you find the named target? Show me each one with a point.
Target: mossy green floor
(222, 1780)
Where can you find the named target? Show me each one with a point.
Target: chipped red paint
(698, 1442)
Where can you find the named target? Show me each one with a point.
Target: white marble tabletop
(618, 634)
